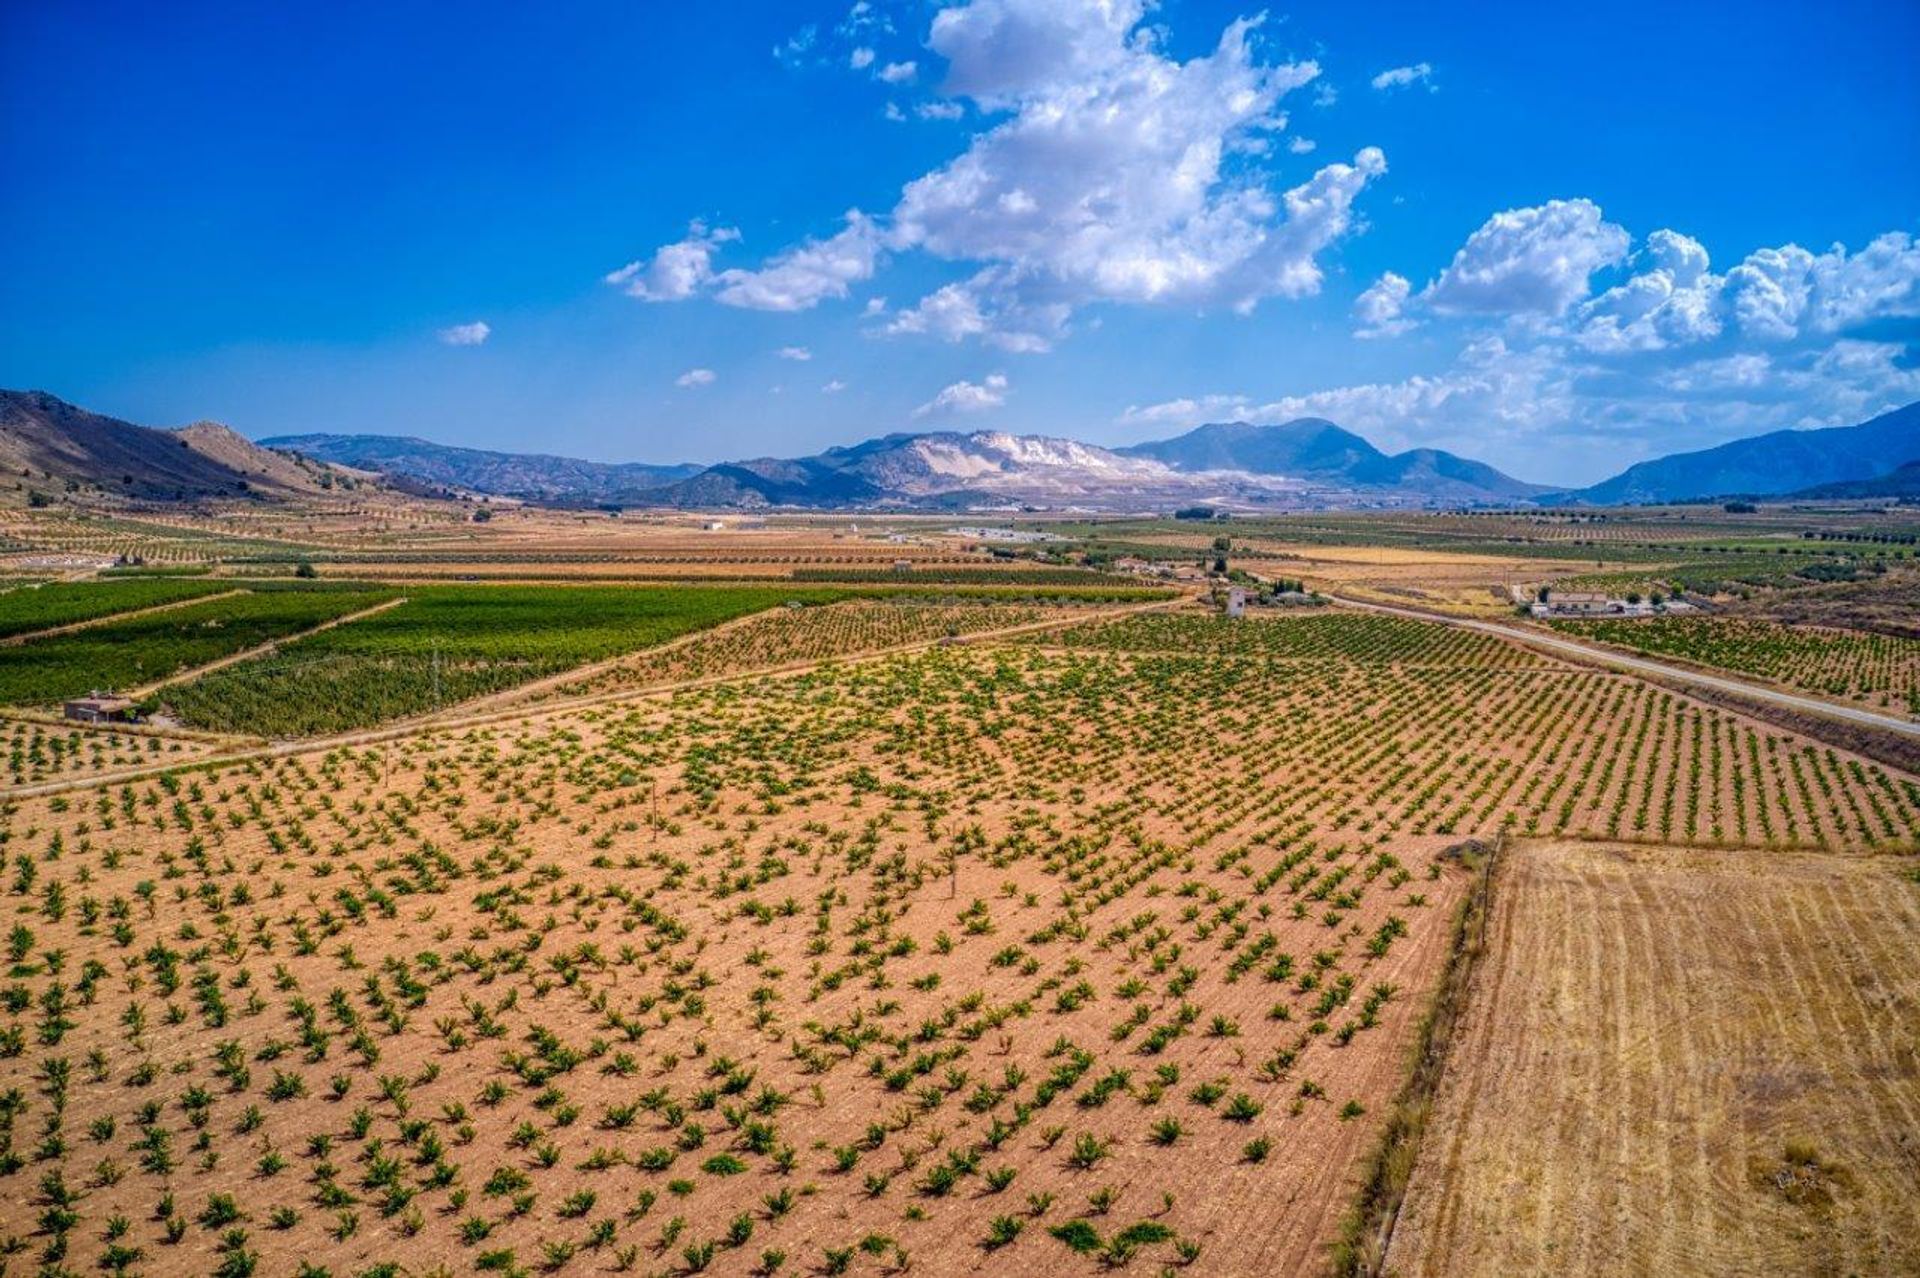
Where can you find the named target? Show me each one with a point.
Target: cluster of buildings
(1595, 603)
(1017, 536)
(1169, 570)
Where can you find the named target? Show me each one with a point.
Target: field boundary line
(1361, 1250)
(414, 728)
(259, 650)
(14, 641)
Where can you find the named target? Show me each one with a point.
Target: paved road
(1642, 665)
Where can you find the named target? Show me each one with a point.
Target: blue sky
(1558, 241)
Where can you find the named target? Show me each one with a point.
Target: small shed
(100, 707)
(1236, 602)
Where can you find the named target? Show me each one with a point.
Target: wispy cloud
(696, 377)
(1405, 77)
(472, 334)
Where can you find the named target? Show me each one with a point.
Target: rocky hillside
(53, 449)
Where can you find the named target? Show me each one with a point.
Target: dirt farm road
(1642, 665)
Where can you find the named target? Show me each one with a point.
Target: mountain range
(533, 476)
(1309, 460)
(50, 446)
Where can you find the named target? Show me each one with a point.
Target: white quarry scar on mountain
(994, 458)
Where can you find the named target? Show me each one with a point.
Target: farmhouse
(100, 707)
(1578, 603)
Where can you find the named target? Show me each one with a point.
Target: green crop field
(1340, 636)
(27, 609)
(1854, 665)
(140, 650)
(449, 644)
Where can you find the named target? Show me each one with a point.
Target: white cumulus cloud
(676, 271)
(803, 277)
(696, 377)
(799, 353)
(1113, 173)
(1534, 260)
(1380, 308)
(966, 397)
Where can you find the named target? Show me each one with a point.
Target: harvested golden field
(1680, 1061)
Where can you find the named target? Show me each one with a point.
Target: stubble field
(1680, 1061)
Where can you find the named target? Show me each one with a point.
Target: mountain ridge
(50, 444)
(1317, 449)
(1774, 464)
(533, 476)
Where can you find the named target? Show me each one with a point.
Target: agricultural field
(26, 610)
(1849, 665)
(448, 644)
(971, 574)
(790, 636)
(38, 751)
(1680, 1061)
(157, 539)
(1463, 563)
(1343, 636)
(1075, 958)
(137, 651)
